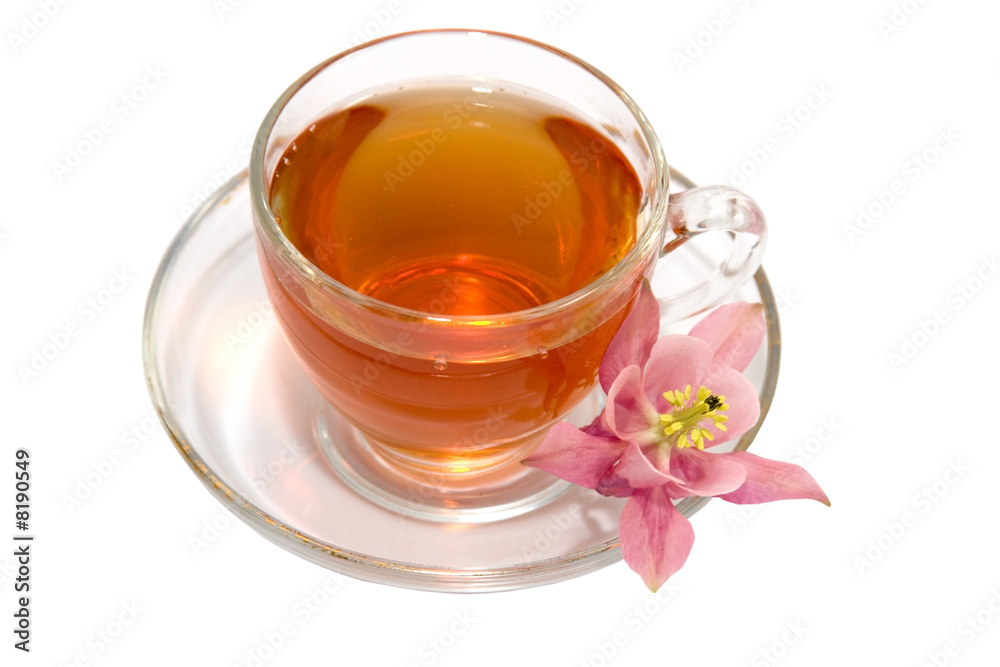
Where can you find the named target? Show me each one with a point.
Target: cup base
(506, 492)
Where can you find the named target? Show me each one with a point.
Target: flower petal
(614, 485)
(635, 338)
(639, 472)
(656, 538)
(596, 427)
(575, 456)
(734, 332)
(741, 396)
(628, 413)
(769, 480)
(706, 474)
(675, 361)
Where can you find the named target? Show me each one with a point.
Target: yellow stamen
(683, 425)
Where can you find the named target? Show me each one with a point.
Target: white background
(808, 584)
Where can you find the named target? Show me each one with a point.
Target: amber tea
(453, 201)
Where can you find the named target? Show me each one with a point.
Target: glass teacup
(448, 335)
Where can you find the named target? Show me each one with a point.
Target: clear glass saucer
(242, 414)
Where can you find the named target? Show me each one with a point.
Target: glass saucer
(242, 414)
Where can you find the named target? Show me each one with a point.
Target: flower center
(684, 426)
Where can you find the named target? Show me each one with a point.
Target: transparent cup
(430, 414)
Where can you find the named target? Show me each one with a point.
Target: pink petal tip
(769, 480)
(734, 331)
(656, 538)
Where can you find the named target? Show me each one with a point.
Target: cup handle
(714, 208)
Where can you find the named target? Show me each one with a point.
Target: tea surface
(457, 202)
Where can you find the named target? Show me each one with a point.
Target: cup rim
(266, 222)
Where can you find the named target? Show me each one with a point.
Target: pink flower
(670, 400)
